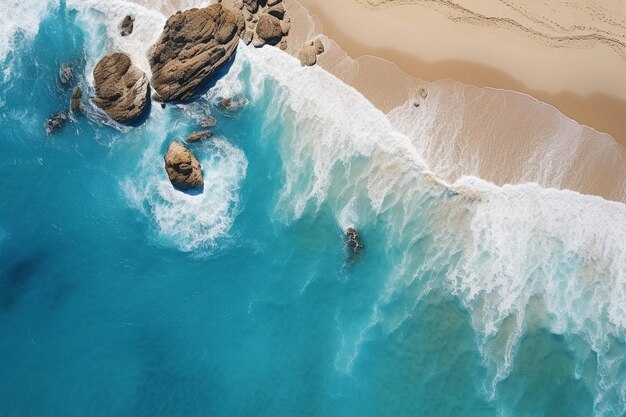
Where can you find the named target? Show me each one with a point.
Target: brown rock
(127, 25)
(77, 95)
(183, 169)
(308, 55)
(198, 136)
(192, 48)
(122, 89)
(268, 28)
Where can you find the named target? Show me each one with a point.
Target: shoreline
(599, 105)
(534, 141)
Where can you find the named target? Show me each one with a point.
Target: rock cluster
(309, 52)
(194, 45)
(182, 167)
(266, 23)
(122, 89)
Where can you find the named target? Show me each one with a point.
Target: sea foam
(495, 248)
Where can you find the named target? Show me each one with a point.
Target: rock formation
(208, 122)
(182, 167)
(77, 95)
(199, 136)
(122, 89)
(194, 45)
(127, 25)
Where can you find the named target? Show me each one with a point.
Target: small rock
(307, 55)
(66, 74)
(56, 122)
(283, 45)
(353, 241)
(182, 167)
(127, 25)
(163, 105)
(232, 103)
(198, 136)
(319, 46)
(77, 95)
(423, 93)
(257, 42)
(273, 2)
(416, 104)
(269, 29)
(208, 122)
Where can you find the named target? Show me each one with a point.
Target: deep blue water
(115, 301)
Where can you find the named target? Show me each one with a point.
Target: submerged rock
(56, 122)
(208, 122)
(182, 167)
(232, 104)
(66, 74)
(198, 136)
(194, 45)
(353, 241)
(127, 25)
(122, 89)
(77, 95)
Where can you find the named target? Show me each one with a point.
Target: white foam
(494, 247)
(191, 222)
(20, 16)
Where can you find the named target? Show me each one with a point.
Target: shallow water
(120, 296)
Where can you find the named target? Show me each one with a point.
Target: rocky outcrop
(194, 45)
(199, 136)
(77, 95)
(122, 89)
(354, 243)
(127, 25)
(56, 122)
(182, 167)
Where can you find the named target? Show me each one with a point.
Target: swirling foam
(187, 221)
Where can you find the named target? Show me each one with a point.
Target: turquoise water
(121, 296)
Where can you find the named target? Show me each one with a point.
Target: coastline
(538, 142)
(582, 79)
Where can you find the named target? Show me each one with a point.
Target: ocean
(122, 296)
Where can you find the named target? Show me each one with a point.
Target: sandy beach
(570, 56)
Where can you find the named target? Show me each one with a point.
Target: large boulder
(122, 89)
(192, 48)
(183, 169)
